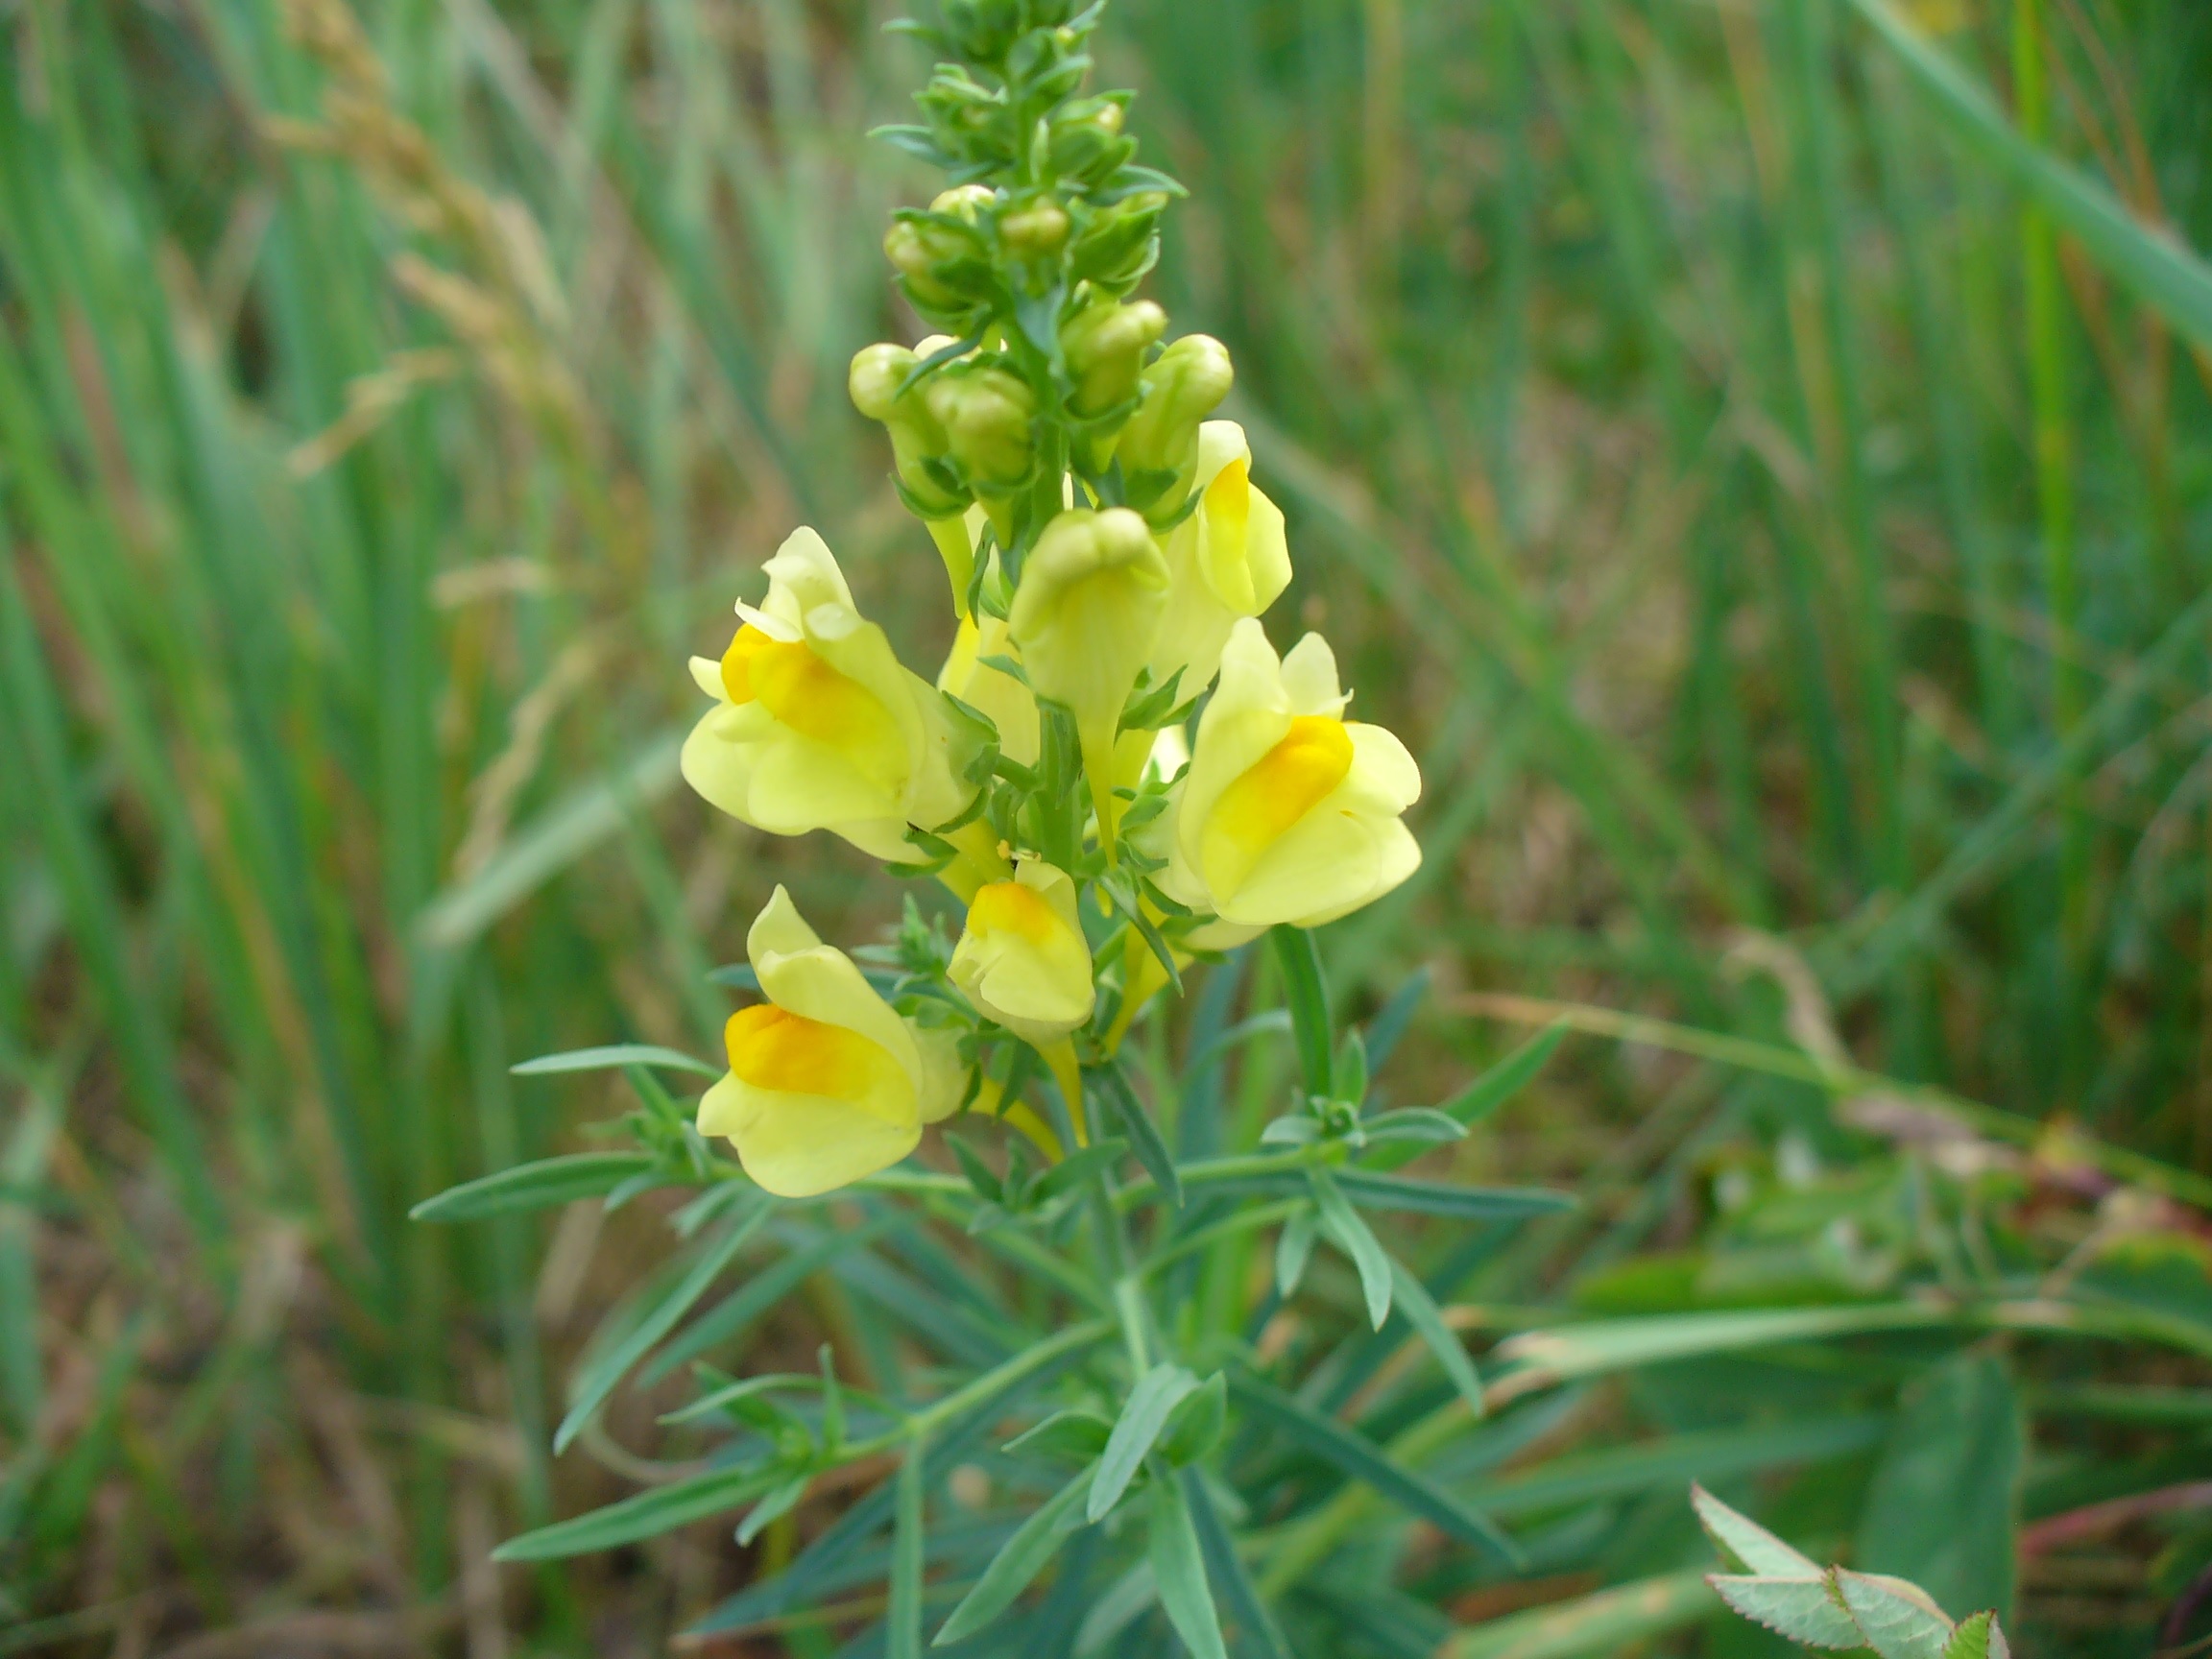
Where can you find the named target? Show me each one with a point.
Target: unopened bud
(1105, 346)
(1159, 447)
(918, 437)
(987, 413)
(1039, 229)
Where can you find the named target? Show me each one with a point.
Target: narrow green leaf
(1248, 1611)
(1803, 1609)
(1487, 1092)
(1179, 1567)
(781, 1502)
(1145, 1137)
(1750, 1545)
(1194, 1427)
(647, 1515)
(600, 1376)
(903, 1635)
(1305, 994)
(1350, 1452)
(1351, 1235)
(614, 1055)
(2151, 264)
(1016, 1566)
(538, 1186)
(1157, 1393)
(1428, 1320)
(1941, 1508)
(1293, 1250)
(1373, 1191)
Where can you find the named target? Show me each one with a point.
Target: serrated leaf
(1018, 1561)
(1980, 1637)
(1344, 1229)
(1427, 1321)
(1179, 1567)
(1751, 1546)
(1898, 1620)
(538, 1186)
(1158, 1392)
(1803, 1609)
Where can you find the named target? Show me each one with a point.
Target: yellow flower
(1084, 616)
(826, 1084)
(1022, 959)
(1287, 813)
(815, 724)
(1227, 560)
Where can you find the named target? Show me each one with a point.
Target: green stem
(990, 1384)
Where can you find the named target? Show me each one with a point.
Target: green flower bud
(1119, 246)
(1105, 345)
(1087, 142)
(987, 414)
(1160, 445)
(1037, 230)
(917, 437)
(928, 254)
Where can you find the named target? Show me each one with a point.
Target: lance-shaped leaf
(1307, 993)
(614, 1055)
(1352, 1453)
(1293, 1250)
(1428, 1320)
(647, 1515)
(600, 1375)
(1145, 1137)
(1016, 1566)
(1157, 1394)
(538, 1186)
(903, 1618)
(1351, 1235)
(1179, 1567)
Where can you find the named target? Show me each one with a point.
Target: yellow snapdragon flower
(1228, 560)
(1084, 616)
(1288, 812)
(1022, 959)
(816, 726)
(827, 1083)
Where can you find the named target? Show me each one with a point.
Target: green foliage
(1646, 387)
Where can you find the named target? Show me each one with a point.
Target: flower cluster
(1114, 771)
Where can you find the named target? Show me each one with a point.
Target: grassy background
(1759, 523)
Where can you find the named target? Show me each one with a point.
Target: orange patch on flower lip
(1008, 906)
(772, 1048)
(1286, 782)
(807, 694)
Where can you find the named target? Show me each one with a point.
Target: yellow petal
(1022, 959)
(1253, 812)
(797, 1146)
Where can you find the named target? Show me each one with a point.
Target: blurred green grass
(1695, 441)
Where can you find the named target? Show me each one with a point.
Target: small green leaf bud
(917, 437)
(1160, 445)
